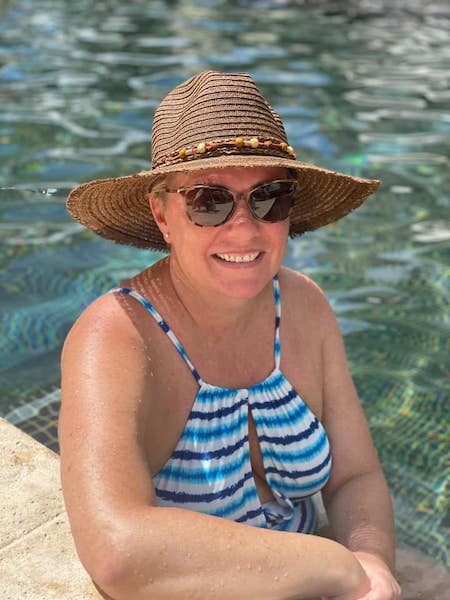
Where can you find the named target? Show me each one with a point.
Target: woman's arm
(133, 549)
(356, 497)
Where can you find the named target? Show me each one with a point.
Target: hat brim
(118, 208)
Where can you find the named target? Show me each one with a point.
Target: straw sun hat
(213, 120)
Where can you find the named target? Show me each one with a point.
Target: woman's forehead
(228, 175)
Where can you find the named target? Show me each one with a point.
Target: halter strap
(176, 342)
(164, 326)
(277, 343)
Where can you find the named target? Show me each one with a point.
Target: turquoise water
(362, 87)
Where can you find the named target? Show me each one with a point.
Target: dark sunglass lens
(273, 201)
(208, 206)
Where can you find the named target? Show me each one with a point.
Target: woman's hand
(382, 583)
(383, 586)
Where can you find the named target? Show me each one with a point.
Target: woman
(198, 421)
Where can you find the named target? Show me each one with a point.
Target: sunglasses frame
(183, 190)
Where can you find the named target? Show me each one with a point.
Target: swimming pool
(362, 88)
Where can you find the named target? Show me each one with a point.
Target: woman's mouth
(238, 258)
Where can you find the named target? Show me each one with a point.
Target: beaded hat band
(211, 121)
(237, 145)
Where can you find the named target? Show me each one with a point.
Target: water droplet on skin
(276, 578)
(238, 567)
(150, 580)
(164, 564)
(259, 569)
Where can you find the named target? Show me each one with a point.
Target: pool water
(363, 87)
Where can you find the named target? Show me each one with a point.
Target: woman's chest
(174, 395)
(246, 441)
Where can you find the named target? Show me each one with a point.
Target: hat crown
(213, 107)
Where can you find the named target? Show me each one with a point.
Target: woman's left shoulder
(299, 289)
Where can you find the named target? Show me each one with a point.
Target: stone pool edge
(38, 560)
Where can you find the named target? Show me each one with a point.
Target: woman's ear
(157, 207)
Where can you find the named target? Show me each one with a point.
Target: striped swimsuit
(210, 470)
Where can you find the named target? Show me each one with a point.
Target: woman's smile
(242, 259)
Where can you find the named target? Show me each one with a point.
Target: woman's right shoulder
(112, 319)
(103, 313)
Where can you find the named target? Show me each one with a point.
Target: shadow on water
(363, 87)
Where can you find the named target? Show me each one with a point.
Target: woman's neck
(215, 313)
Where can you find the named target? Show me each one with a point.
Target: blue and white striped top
(210, 470)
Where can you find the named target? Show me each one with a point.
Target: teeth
(239, 258)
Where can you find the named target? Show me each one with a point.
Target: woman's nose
(242, 211)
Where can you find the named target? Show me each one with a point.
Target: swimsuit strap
(277, 343)
(155, 314)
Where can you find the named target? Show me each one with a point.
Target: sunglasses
(211, 205)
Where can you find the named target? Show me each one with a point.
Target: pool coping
(38, 560)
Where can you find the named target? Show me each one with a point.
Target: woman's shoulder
(100, 326)
(306, 315)
(305, 306)
(119, 310)
(113, 317)
(298, 287)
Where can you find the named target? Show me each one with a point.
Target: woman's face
(236, 259)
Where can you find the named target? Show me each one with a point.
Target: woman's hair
(159, 190)
(159, 186)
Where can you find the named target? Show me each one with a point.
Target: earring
(166, 235)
